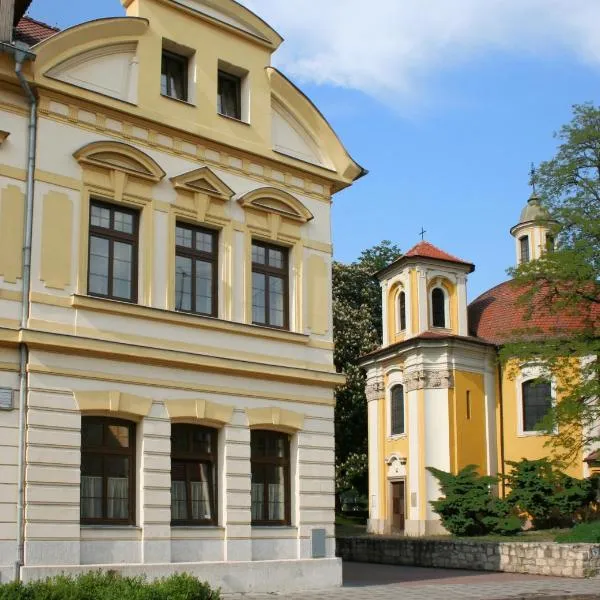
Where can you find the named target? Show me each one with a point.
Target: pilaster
(375, 392)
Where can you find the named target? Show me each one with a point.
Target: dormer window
(229, 95)
(174, 75)
(438, 308)
(524, 248)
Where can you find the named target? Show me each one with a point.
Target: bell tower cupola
(532, 233)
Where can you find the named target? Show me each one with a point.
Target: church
(437, 394)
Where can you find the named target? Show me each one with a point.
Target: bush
(110, 586)
(550, 497)
(582, 533)
(469, 507)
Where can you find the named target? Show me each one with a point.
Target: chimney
(7, 17)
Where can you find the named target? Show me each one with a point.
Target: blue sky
(445, 103)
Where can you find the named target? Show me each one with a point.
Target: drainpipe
(21, 55)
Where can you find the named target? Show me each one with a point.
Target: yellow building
(437, 395)
(166, 348)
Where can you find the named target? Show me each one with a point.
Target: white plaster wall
(414, 443)
(436, 442)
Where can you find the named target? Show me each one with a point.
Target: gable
(203, 180)
(108, 70)
(291, 139)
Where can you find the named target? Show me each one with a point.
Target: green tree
(566, 281)
(356, 331)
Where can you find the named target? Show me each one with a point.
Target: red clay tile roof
(496, 317)
(32, 32)
(427, 250)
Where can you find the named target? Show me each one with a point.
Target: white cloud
(388, 48)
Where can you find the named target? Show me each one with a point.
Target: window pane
(258, 254)
(179, 510)
(117, 487)
(117, 436)
(183, 283)
(438, 308)
(204, 242)
(200, 483)
(122, 267)
(258, 493)
(180, 440)
(402, 309)
(228, 96)
(276, 301)
(183, 237)
(98, 278)
(397, 410)
(524, 242)
(91, 487)
(100, 217)
(276, 258)
(91, 434)
(123, 222)
(276, 494)
(537, 402)
(202, 441)
(258, 298)
(204, 283)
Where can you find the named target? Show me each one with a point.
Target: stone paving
(387, 582)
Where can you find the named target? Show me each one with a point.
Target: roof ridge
(422, 243)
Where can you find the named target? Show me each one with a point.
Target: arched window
(402, 310)
(438, 308)
(193, 475)
(270, 467)
(537, 402)
(397, 410)
(107, 492)
(524, 248)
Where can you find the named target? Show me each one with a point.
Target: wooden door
(398, 503)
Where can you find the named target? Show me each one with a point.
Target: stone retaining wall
(540, 558)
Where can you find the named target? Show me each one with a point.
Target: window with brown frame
(196, 262)
(113, 252)
(229, 95)
(174, 75)
(397, 410)
(194, 489)
(537, 403)
(270, 466)
(107, 493)
(269, 285)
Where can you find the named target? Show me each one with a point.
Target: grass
(346, 526)
(582, 533)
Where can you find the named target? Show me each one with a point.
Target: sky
(445, 102)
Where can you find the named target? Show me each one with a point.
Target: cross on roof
(422, 234)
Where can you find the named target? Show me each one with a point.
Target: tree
(356, 331)
(567, 281)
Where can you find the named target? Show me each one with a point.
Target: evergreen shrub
(469, 507)
(110, 586)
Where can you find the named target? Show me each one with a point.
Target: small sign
(319, 547)
(6, 399)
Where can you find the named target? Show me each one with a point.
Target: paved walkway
(385, 582)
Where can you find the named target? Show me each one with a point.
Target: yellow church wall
(518, 445)
(468, 424)
(414, 300)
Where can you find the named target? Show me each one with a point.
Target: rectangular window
(270, 466)
(229, 95)
(537, 403)
(468, 407)
(174, 76)
(113, 252)
(397, 410)
(193, 475)
(269, 285)
(196, 266)
(107, 492)
(524, 244)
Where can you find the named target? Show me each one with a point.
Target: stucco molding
(199, 409)
(274, 418)
(428, 379)
(113, 402)
(274, 200)
(375, 388)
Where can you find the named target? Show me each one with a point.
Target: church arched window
(537, 402)
(402, 310)
(524, 248)
(397, 410)
(438, 308)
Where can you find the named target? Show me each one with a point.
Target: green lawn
(346, 526)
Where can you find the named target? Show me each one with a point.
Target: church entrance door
(398, 504)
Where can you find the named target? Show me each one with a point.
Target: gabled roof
(32, 32)
(429, 251)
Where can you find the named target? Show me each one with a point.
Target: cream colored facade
(458, 406)
(105, 132)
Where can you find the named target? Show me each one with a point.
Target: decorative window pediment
(203, 180)
(273, 200)
(120, 157)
